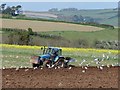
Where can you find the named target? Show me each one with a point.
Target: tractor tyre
(65, 65)
(35, 65)
(48, 63)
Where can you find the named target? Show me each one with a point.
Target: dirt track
(61, 78)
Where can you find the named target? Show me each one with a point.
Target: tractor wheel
(65, 65)
(48, 63)
(35, 65)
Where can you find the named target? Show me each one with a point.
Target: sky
(59, 0)
(44, 6)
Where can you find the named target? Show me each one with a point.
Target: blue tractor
(51, 57)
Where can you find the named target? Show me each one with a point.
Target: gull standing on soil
(3, 67)
(101, 67)
(26, 70)
(70, 67)
(83, 71)
(17, 68)
(86, 68)
(35, 68)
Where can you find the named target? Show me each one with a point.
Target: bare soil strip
(61, 78)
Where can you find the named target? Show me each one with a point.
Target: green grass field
(16, 57)
(105, 34)
(90, 37)
(72, 36)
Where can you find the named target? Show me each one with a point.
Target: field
(19, 56)
(15, 64)
(61, 78)
(88, 36)
(45, 26)
(39, 15)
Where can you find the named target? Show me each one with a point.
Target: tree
(30, 31)
(69, 9)
(53, 10)
(18, 7)
(8, 10)
(3, 6)
(16, 10)
(75, 18)
(13, 8)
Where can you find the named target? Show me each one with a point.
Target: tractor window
(48, 51)
(51, 51)
(59, 52)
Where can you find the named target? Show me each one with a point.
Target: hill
(102, 16)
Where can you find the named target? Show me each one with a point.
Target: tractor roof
(55, 48)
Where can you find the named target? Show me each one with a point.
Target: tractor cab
(52, 50)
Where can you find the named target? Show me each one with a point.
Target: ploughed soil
(61, 78)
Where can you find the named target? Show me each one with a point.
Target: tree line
(28, 37)
(24, 37)
(10, 10)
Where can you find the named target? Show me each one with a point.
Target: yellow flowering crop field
(19, 55)
(63, 48)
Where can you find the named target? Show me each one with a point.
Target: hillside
(103, 16)
(46, 26)
(33, 14)
(58, 34)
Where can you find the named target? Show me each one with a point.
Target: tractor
(51, 57)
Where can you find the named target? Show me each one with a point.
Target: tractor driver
(55, 56)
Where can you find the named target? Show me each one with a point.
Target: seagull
(3, 67)
(55, 67)
(35, 68)
(26, 70)
(96, 59)
(82, 62)
(86, 68)
(70, 67)
(17, 68)
(101, 68)
(103, 55)
(83, 71)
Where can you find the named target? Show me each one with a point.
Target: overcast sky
(59, 0)
(44, 6)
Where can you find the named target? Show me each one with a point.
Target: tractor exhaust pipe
(43, 49)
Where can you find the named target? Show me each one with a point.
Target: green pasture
(90, 37)
(105, 34)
